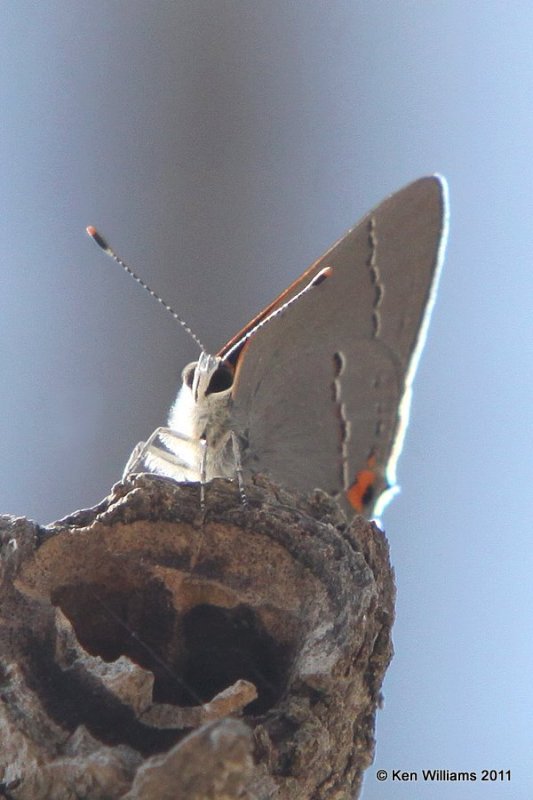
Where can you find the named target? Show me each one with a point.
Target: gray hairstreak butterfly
(315, 390)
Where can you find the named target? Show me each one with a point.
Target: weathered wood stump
(149, 650)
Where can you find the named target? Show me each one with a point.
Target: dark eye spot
(221, 380)
(368, 496)
(188, 377)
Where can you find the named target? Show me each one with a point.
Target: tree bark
(149, 649)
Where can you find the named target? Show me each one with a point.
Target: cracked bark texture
(151, 650)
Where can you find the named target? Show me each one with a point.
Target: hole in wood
(193, 654)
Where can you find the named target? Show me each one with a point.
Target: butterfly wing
(321, 393)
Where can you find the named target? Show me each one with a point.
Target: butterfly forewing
(318, 391)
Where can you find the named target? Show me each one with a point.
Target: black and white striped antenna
(316, 280)
(101, 242)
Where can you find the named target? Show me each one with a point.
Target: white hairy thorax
(199, 443)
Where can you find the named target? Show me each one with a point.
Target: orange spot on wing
(360, 493)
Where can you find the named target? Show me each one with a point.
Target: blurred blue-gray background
(221, 147)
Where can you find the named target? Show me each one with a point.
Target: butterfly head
(207, 376)
(204, 399)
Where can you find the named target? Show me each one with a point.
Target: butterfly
(315, 391)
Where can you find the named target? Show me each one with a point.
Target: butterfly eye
(221, 380)
(187, 375)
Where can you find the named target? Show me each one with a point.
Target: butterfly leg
(203, 470)
(238, 467)
(134, 459)
(166, 453)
